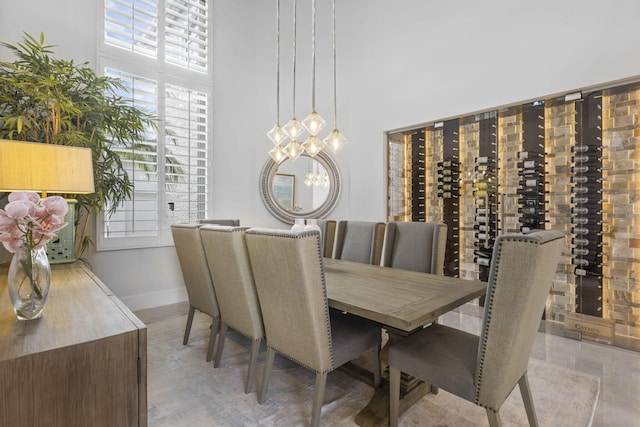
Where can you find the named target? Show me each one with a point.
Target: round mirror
(308, 187)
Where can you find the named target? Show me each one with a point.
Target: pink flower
(24, 195)
(55, 205)
(27, 220)
(19, 209)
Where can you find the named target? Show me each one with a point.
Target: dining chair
(289, 274)
(197, 280)
(485, 369)
(416, 246)
(359, 241)
(230, 269)
(230, 222)
(328, 236)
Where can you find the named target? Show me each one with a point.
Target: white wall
(399, 64)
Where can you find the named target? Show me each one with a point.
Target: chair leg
(255, 349)
(266, 375)
(494, 418)
(221, 337)
(318, 397)
(525, 391)
(215, 326)
(376, 366)
(187, 330)
(394, 396)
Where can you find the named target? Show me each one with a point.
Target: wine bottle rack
(449, 181)
(586, 210)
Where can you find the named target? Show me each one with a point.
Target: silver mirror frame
(266, 190)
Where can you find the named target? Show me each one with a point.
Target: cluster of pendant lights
(289, 139)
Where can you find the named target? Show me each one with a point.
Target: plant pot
(29, 282)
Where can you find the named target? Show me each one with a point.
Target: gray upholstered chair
(416, 246)
(359, 241)
(229, 222)
(230, 270)
(328, 230)
(197, 279)
(289, 274)
(485, 369)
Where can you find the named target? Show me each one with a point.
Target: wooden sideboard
(82, 364)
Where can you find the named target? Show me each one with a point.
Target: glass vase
(29, 282)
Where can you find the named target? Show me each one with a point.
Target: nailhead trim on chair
(489, 307)
(301, 235)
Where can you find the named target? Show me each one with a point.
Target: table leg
(376, 413)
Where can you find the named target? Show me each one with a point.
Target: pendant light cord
(313, 56)
(294, 58)
(278, 62)
(335, 104)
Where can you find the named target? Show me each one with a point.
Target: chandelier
(287, 139)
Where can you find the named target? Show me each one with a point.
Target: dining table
(402, 302)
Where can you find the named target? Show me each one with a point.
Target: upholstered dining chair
(416, 246)
(229, 222)
(328, 236)
(359, 241)
(485, 369)
(197, 279)
(230, 269)
(289, 274)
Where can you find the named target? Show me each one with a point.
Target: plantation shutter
(139, 215)
(159, 50)
(185, 34)
(132, 25)
(186, 115)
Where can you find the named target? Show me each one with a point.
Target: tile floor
(618, 370)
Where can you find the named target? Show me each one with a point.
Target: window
(166, 73)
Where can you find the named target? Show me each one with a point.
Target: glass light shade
(313, 145)
(313, 123)
(277, 154)
(293, 150)
(277, 135)
(308, 179)
(335, 140)
(294, 129)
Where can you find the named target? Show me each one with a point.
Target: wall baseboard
(155, 299)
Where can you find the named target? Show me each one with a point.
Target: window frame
(164, 73)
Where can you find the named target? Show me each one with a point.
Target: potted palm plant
(56, 101)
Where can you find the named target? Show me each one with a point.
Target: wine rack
(531, 168)
(586, 200)
(449, 191)
(486, 195)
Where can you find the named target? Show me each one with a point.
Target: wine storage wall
(571, 165)
(587, 219)
(449, 191)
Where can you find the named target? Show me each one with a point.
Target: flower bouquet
(27, 223)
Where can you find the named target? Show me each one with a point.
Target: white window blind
(132, 25)
(186, 38)
(139, 215)
(186, 153)
(159, 50)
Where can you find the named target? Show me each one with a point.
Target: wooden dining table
(402, 302)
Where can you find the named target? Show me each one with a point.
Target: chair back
(230, 269)
(328, 236)
(520, 278)
(195, 270)
(416, 246)
(229, 222)
(359, 241)
(289, 276)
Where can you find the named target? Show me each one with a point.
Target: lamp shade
(46, 168)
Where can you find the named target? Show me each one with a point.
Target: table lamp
(48, 168)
